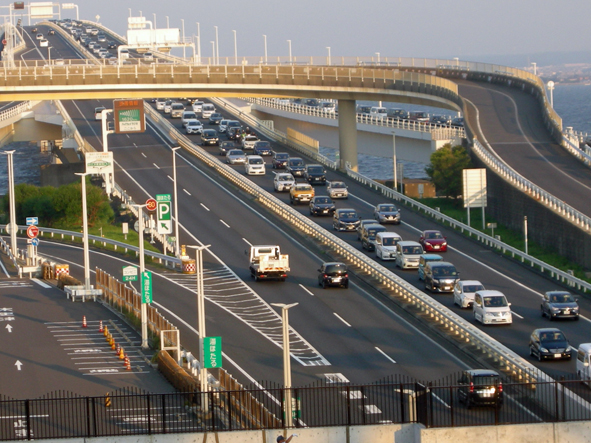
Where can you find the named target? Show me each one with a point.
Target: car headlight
(435, 281)
(542, 349)
(444, 243)
(568, 348)
(428, 243)
(553, 309)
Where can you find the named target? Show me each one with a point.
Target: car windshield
(389, 241)
(233, 124)
(412, 250)
(348, 215)
(322, 200)
(255, 161)
(316, 169)
(445, 271)
(473, 288)
(339, 268)
(305, 188)
(337, 185)
(235, 152)
(433, 235)
(263, 145)
(193, 123)
(387, 208)
(371, 233)
(285, 178)
(296, 162)
(561, 298)
(495, 302)
(281, 156)
(555, 336)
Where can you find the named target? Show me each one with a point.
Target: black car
(111, 44)
(322, 205)
(315, 174)
(215, 118)
(549, 343)
(345, 219)
(225, 146)
(333, 274)
(51, 32)
(439, 120)
(280, 160)
(457, 122)
(210, 137)
(559, 304)
(295, 166)
(480, 387)
(262, 148)
(368, 236)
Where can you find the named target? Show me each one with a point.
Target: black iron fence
(127, 412)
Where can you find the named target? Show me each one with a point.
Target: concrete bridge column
(347, 134)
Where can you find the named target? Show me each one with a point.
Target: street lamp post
(551, 89)
(49, 54)
(154, 14)
(184, 47)
(265, 39)
(217, 47)
(394, 161)
(201, 323)
(328, 47)
(525, 233)
(378, 54)
(85, 232)
(11, 199)
(289, 44)
(144, 309)
(198, 43)
(176, 206)
(167, 23)
(235, 48)
(105, 132)
(535, 65)
(286, 361)
(213, 52)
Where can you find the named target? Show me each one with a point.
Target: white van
(584, 363)
(408, 254)
(255, 165)
(386, 245)
(98, 112)
(378, 112)
(124, 54)
(491, 308)
(206, 110)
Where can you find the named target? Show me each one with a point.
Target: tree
(445, 169)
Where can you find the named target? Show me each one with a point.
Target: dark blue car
(262, 148)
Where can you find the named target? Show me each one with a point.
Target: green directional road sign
(212, 352)
(164, 214)
(146, 287)
(129, 273)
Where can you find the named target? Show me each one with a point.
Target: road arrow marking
(9, 328)
(18, 364)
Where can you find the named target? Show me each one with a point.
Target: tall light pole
(265, 39)
(144, 309)
(217, 47)
(394, 161)
(289, 45)
(176, 206)
(551, 89)
(378, 54)
(184, 47)
(201, 322)
(213, 52)
(235, 48)
(167, 23)
(129, 11)
(154, 14)
(12, 204)
(106, 132)
(286, 361)
(328, 47)
(49, 54)
(198, 43)
(525, 233)
(457, 61)
(534, 64)
(85, 232)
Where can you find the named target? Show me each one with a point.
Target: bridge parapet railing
(397, 288)
(362, 118)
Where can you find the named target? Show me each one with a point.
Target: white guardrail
(440, 132)
(401, 291)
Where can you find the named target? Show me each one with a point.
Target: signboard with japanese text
(164, 214)
(146, 287)
(129, 116)
(99, 162)
(212, 352)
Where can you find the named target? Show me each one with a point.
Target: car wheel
(323, 284)
(543, 313)
(540, 358)
(577, 318)
(346, 285)
(531, 351)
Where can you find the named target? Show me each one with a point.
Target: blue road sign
(35, 241)
(32, 221)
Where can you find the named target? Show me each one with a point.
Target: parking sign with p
(164, 214)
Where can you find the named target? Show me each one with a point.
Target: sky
(467, 29)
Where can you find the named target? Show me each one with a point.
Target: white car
(188, 115)
(236, 157)
(168, 106)
(464, 291)
(197, 105)
(160, 104)
(44, 43)
(386, 245)
(283, 182)
(148, 56)
(337, 189)
(249, 141)
(39, 36)
(193, 126)
(255, 165)
(223, 125)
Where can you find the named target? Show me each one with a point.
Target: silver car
(283, 182)
(337, 189)
(236, 157)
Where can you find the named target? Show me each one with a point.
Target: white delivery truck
(267, 262)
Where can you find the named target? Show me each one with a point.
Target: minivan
(206, 110)
(491, 307)
(255, 165)
(378, 112)
(418, 116)
(584, 363)
(397, 114)
(124, 54)
(386, 245)
(407, 254)
(423, 260)
(440, 276)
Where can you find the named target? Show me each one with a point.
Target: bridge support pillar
(347, 134)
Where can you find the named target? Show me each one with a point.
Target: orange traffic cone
(84, 321)
(106, 331)
(127, 363)
(121, 354)
(113, 347)
(118, 350)
(101, 326)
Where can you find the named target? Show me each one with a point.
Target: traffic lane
(533, 153)
(47, 338)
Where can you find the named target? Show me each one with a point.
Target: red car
(433, 241)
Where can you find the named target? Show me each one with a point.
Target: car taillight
(500, 387)
(325, 275)
(471, 387)
(346, 275)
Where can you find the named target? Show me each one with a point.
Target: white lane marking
(186, 192)
(385, 355)
(144, 155)
(341, 319)
(247, 242)
(307, 290)
(224, 223)
(128, 136)
(4, 269)
(155, 165)
(205, 207)
(516, 314)
(134, 145)
(170, 178)
(40, 283)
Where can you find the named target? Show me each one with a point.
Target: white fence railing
(439, 132)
